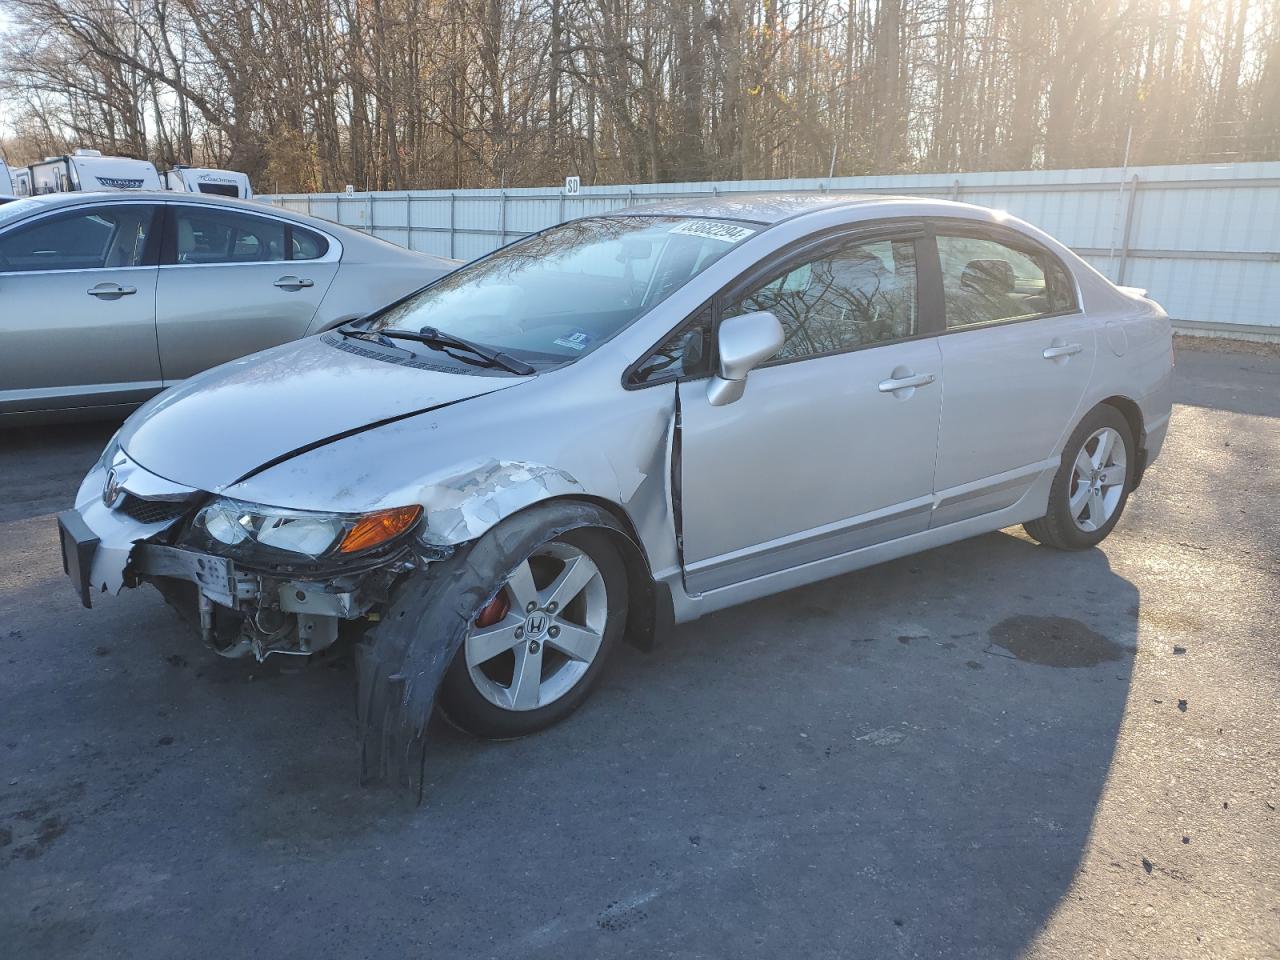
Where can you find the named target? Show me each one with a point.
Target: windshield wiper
(358, 334)
(438, 338)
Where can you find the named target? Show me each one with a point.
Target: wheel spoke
(575, 642)
(1102, 455)
(1097, 509)
(526, 679)
(520, 583)
(1079, 500)
(577, 573)
(1111, 476)
(1084, 465)
(485, 643)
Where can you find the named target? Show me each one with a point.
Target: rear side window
(986, 281)
(306, 245)
(209, 235)
(104, 237)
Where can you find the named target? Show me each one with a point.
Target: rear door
(78, 290)
(234, 282)
(1017, 355)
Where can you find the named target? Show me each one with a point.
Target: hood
(225, 423)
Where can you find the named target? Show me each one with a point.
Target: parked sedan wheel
(1092, 484)
(532, 654)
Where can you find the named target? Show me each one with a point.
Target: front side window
(103, 237)
(985, 281)
(206, 235)
(851, 295)
(560, 294)
(685, 353)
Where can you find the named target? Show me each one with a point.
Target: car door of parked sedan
(234, 282)
(831, 448)
(1017, 355)
(78, 291)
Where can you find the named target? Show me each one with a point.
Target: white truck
(21, 181)
(89, 170)
(225, 183)
(6, 181)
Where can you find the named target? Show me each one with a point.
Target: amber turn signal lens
(379, 527)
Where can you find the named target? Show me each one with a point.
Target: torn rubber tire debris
(402, 660)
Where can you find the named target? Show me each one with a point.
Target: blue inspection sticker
(577, 340)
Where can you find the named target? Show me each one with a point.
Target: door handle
(110, 291)
(1061, 350)
(293, 283)
(902, 383)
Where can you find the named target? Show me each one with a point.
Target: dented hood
(231, 421)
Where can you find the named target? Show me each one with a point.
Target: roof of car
(64, 198)
(763, 207)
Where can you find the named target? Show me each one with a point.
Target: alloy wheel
(539, 636)
(1097, 479)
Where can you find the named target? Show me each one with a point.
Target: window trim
(929, 306)
(150, 250)
(1009, 237)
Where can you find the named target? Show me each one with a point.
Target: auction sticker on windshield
(711, 230)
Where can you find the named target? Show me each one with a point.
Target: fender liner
(401, 660)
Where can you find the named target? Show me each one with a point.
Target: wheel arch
(650, 610)
(1132, 414)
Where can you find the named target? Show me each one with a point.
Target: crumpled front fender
(467, 504)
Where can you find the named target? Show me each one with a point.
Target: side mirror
(743, 343)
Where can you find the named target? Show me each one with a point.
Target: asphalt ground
(988, 750)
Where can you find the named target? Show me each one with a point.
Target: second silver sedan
(106, 299)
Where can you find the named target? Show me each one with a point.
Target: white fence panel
(1203, 238)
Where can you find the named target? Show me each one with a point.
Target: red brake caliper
(494, 610)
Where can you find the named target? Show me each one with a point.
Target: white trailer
(226, 183)
(21, 181)
(89, 170)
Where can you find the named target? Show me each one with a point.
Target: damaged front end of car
(253, 579)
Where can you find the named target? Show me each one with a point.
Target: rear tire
(1092, 485)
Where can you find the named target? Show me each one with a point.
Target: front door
(234, 283)
(78, 298)
(832, 446)
(1014, 330)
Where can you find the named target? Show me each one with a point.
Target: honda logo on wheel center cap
(535, 624)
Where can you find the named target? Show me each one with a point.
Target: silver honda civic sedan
(621, 423)
(108, 298)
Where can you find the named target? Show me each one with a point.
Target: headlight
(246, 526)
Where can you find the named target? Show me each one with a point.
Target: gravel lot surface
(988, 750)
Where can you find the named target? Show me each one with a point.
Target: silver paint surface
(813, 472)
(68, 351)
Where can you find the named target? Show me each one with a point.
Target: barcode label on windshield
(711, 230)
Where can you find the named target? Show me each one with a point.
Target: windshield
(560, 294)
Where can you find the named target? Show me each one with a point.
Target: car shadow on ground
(904, 760)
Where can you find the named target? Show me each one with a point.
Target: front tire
(415, 656)
(534, 653)
(1092, 485)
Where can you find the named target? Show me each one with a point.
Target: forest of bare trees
(387, 94)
